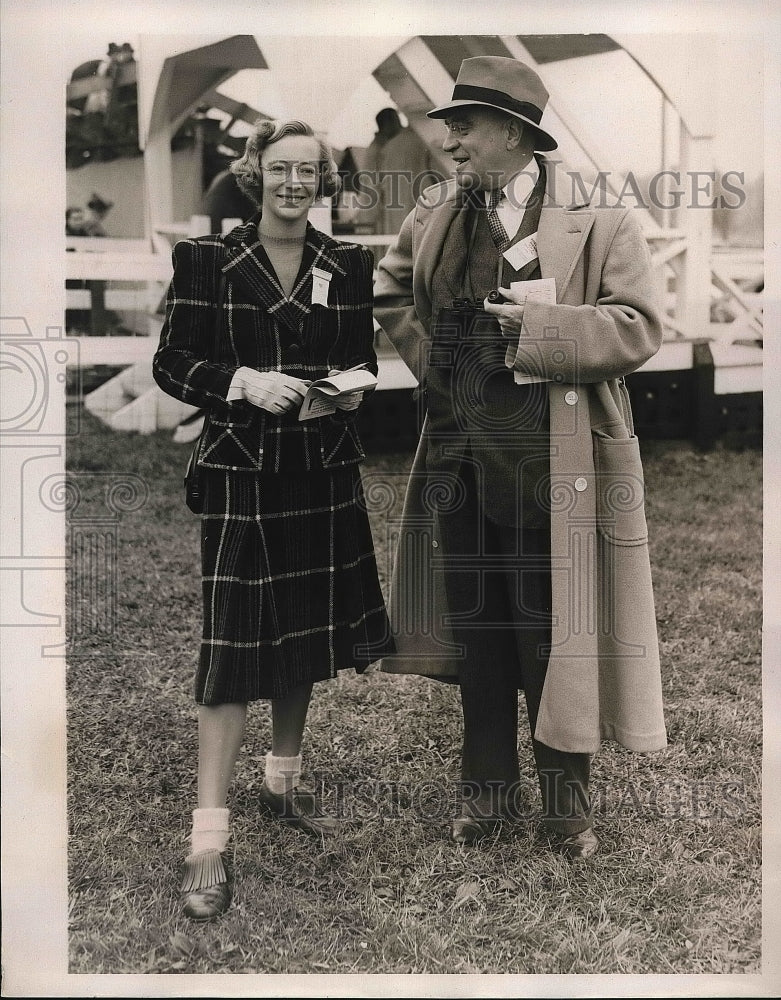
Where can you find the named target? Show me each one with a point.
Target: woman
(290, 585)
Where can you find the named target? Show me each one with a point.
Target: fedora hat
(505, 84)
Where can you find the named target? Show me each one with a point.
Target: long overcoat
(603, 678)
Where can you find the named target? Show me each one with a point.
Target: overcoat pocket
(620, 490)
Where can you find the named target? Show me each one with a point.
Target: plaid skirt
(290, 586)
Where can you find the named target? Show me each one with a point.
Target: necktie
(498, 232)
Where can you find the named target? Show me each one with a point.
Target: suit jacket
(472, 401)
(603, 678)
(262, 329)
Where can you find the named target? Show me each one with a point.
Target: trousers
(498, 583)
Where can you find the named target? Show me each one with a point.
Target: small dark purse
(193, 481)
(193, 474)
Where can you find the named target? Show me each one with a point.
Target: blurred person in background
(398, 167)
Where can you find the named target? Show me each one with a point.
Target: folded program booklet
(539, 290)
(322, 394)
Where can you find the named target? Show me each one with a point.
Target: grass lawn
(676, 889)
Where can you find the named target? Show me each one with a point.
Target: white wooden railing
(99, 262)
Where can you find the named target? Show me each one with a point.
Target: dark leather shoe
(474, 824)
(206, 892)
(579, 846)
(299, 808)
(468, 829)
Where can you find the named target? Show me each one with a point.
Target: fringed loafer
(299, 808)
(205, 892)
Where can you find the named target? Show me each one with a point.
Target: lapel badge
(320, 284)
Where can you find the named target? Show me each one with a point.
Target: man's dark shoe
(579, 846)
(299, 808)
(475, 822)
(468, 829)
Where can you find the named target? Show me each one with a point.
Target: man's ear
(514, 132)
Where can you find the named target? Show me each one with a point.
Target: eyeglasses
(281, 169)
(457, 128)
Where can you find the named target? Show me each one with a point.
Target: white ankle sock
(211, 830)
(282, 773)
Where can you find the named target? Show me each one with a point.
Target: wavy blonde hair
(247, 169)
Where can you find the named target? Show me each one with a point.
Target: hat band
(465, 92)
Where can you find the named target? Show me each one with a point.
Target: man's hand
(509, 313)
(275, 392)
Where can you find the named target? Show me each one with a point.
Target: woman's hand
(509, 313)
(275, 392)
(351, 400)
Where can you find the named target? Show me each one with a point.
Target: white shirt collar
(516, 193)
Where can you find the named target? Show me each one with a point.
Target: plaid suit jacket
(263, 329)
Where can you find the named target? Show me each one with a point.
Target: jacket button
(435, 544)
(580, 484)
(571, 397)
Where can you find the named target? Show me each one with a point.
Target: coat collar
(248, 264)
(561, 234)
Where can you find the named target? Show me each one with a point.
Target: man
(370, 214)
(405, 167)
(223, 199)
(388, 124)
(523, 560)
(98, 210)
(75, 225)
(398, 167)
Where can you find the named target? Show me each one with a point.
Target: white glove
(350, 400)
(275, 392)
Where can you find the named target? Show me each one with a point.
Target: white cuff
(236, 390)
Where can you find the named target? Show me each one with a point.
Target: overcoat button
(571, 397)
(435, 544)
(580, 484)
